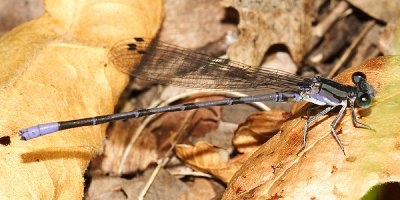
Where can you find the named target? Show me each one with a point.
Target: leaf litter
(239, 161)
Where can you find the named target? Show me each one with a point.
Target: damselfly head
(365, 92)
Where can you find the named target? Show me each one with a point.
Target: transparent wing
(164, 63)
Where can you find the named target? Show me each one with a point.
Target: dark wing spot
(138, 39)
(132, 47)
(142, 52)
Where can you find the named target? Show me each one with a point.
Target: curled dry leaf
(257, 129)
(53, 69)
(291, 26)
(207, 158)
(322, 171)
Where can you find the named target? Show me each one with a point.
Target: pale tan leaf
(52, 69)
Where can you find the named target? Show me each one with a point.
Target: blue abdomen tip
(39, 130)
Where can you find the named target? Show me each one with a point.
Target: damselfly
(164, 63)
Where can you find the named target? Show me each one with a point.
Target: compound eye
(358, 76)
(364, 100)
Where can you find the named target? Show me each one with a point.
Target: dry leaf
(164, 186)
(143, 153)
(282, 61)
(154, 140)
(257, 129)
(210, 159)
(203, 189)
(194, 23)
(265, 23)
(385, 10)
(322, 171)
(53, 69)
(106, 188)
(220, 137)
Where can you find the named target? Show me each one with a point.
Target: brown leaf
(221, 137)
(203, 189)
(143, 152)
(103, 187)
(164, 186)
(192, 24)
(153, 141)
(322, 171)
(257, 129)
(210, 159)
(265, 23)
(53, 69)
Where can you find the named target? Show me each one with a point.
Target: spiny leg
(309, 121)
(334, 123)
(354, 116)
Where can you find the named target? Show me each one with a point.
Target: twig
(193, 173)
(348, 51)
(326, 23)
